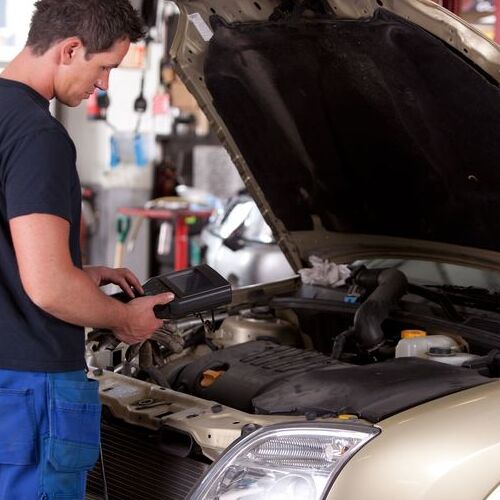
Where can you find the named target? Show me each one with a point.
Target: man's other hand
(122, 277)
(141, 321)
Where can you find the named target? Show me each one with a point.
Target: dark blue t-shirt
(37, 175)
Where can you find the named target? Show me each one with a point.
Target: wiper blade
(470, 296)
(439, 297)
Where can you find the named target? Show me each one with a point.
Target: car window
(419, 271)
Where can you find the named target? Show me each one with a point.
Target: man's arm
(55, 285)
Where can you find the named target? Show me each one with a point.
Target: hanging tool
(97, 105)
(140, 103)
(140, 106)
(122, 230)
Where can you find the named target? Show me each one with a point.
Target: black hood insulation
(373, 124)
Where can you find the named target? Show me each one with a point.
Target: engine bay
(370, 349)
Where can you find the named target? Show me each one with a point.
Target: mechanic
(49, 410)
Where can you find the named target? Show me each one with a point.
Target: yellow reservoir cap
(411, 334)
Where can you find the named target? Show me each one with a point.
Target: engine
(293, 355)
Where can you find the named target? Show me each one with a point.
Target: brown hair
(97, 23)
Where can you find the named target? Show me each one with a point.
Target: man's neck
(32, 71)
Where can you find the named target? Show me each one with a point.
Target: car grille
(137, 468)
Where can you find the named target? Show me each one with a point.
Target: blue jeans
(49, 434)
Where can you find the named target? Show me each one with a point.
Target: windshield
(436, 273)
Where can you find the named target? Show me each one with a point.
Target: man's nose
(102, 83)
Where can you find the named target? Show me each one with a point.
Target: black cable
(103, 474)
(207, 326)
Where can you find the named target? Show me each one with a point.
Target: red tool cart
(179, 218)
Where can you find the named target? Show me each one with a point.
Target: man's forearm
(73, 297)
(56, 285)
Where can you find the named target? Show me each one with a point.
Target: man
(49, 411)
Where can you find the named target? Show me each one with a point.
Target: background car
(241, 246)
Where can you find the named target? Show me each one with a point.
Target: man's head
(86, 39)
(97, 23)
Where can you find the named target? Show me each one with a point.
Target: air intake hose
(388, 285)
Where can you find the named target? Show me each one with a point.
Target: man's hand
(122, 277)
(142, 322)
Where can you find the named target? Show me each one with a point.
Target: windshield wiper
(439, 297)
(470, 296)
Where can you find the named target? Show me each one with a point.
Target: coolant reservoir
(439, 348)
(417, 343)
(449, 356)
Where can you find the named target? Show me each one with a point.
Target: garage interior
(161, 194)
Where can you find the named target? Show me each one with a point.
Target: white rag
(324, 273)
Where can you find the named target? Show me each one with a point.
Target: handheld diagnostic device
(196, 289)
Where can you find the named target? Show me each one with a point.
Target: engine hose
(339, 343)
(390, 285)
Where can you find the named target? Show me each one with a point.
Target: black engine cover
(249, 369)
(373, 392)
(262, 377)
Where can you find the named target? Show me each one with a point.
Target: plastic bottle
(417, 343)
(440, 348)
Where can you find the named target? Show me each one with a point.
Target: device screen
(191, 283)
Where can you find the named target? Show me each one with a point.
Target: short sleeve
(39, 175)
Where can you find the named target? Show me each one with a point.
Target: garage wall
(14, 26)
(126, 184)
(92, 137)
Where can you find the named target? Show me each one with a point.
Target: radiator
(137, 468)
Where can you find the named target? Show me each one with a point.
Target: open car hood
(363, 128)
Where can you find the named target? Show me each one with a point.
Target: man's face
(78, 80)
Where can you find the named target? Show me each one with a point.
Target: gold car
(368, 132)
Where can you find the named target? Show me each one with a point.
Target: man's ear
(69, 48)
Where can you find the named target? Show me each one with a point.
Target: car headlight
(283, 462)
